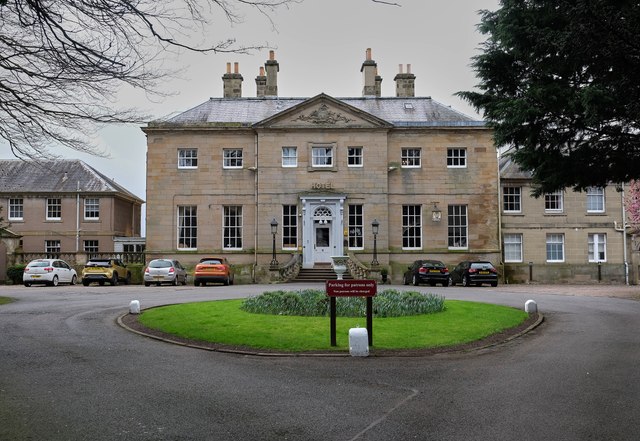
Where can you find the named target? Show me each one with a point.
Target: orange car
(213, 269)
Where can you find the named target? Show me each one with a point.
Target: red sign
(351, 288)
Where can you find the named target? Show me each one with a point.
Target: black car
(474, 273)
(427, 271)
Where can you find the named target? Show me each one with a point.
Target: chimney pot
(368, 54)
(236, 67)
(272, 55)
(228, 68)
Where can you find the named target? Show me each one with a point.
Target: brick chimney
(272, 67)
(369, 71)
(405, 83)
(232, 82)
(261, 83)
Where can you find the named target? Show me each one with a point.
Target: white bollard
(531, 307)
(134, 307)
(358, 342)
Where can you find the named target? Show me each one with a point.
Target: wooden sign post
(351, 288)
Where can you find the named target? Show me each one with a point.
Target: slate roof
(401, 112)
(56, 176)
(510, 170)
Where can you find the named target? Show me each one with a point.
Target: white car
(49, 272)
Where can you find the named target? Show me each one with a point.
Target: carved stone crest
(323, 115)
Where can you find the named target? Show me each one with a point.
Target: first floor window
(511, 199)
(553, 201)
(411, 226)
(597, 247)
(232, 227)
(322, 156)
(356, 224)
(513, 247)
(410, 157)
(595, 200)
(187, 227)
(289, 156)
(92, 208)
(187, 158)
(133, 247)
(52, 248)
(456, 158)
(16, 209)
(90, 247)
(354, 157)
(54, 208)
(232, 158)
(290, 227)
(457, 226)
(555, 247)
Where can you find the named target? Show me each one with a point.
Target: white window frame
(355, 232)
(557, 199)
(187, 159)
(232, 231)
(289, 156)
(327, 151)
(289, 227)
(91, 246)
(458, 227)
(595, 195)
(52, 248)
(412, 227)
(511, 199)
(187, 227)
(16, 209)
(456, 157)
(411, 157)
(95, 203)
(597, 243)
(355, 156)
(232, 158)
(555, 240)
(512, 247)
(52, 203)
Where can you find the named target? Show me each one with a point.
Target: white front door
(322, 248)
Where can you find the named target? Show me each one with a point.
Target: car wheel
(27, 284)
(128, 279)
(114, 279)
(175, 281)
(55, 281)
(74, 280)
(415, 281)
(226, 282)
(465, 280)
(147, 284)
(405, 281)
(85, 282)
(184, 281)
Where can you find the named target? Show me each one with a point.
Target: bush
(311, 302)
(15, 273)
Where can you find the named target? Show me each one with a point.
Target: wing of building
(325, 169)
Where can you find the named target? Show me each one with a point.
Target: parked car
(111, 270)
(164, 271)
(427, 271)
(49, 272)
(213, 269)
(474, 273)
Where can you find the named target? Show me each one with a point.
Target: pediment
(323, 112)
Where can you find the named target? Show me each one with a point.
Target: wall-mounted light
(436, 214)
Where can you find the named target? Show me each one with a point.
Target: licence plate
(484, 272)
(35, 276)
(434, 271)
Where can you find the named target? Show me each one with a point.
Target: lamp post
(374, 228)
(274, 230)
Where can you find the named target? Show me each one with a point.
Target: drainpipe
(624, 237)
(77, 218)
(255, 215)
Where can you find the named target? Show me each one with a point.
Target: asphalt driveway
(68, 372)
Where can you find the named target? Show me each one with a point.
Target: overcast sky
(320, 46)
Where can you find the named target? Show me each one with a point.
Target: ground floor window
(290, 227)
(555, 247)
(52, 248)
(187, 227)
(90, 247)
(412, 227)
(513, 247)
(356, 227)
(597, 247)
(232, 227)
(457, 226)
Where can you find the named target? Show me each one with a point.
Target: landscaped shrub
(15, 273)
(312, 302)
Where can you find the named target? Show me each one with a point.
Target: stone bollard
(531, 307)
(134, 307)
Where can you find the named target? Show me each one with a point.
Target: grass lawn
(224, 322)
(4, 300)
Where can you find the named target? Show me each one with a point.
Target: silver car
(49, 272)
(165, 271)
